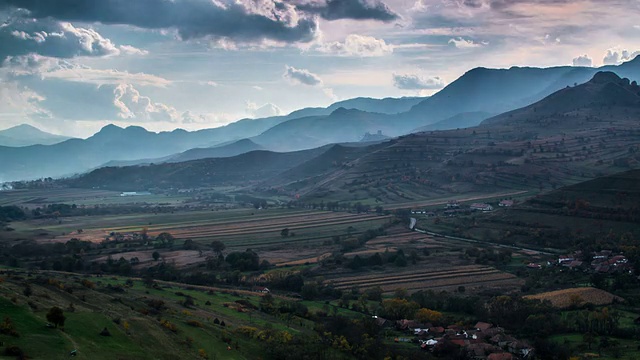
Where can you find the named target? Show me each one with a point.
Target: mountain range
(572, 135)
(25, 135)
(475, 96)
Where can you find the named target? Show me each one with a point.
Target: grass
(624, 350)
(144, 337)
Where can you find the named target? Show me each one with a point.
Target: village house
(261, 289)
(506, 203)
(565, 259)
(453, 204)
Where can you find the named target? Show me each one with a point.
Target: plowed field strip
(449, 284)
(239, 220)
(417, 277)
(465, 268)
(256, 228)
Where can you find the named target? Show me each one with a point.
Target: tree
(284, 233)
(165, 239)
(189, 245)
(397, 309)
(156, 255)
(425, 315)
(56, 316)
(217, 247)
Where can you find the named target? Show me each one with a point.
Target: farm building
(481, 207)
(506, 203)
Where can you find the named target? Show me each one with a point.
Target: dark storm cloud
(21, 36)
(350, 9)
(244, 21)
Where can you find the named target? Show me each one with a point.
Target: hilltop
(25, 135)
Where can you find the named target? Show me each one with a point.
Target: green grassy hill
(144, 322)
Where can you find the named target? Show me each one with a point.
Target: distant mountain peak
(603, 77)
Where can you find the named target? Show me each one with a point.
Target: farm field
(430, 278)
(577, 296)
(33, 198)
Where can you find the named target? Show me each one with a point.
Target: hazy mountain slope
(551, 146)
(522, 150)
(381, 106)
(233, 149)
(462, 120)
(499, 90)
(25, 135)
(341, 126)
(606, 96)
(239, 170)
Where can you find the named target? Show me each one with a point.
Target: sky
(72, 66)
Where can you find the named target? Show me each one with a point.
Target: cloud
(301, 76)
(108, 76)
(266, 110)
(132, 105)
(461, 43)
(349, 9)
(617, 56)
(243, 21)
(17, 101)
(417, 82)
(52, 68)
(583, 60)
(358, 46)
(47, 37)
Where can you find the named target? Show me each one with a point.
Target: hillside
(525, 153)
(342, 125)
(381, 106)
(601, 213)
(240, 170)
(497, 91)
(25, 135)
(462, 120)
(516, 151)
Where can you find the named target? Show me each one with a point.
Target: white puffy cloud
(132, 105)
(301, 76)
(266, 110)
(617, 56)
(583, 60)
(417, 82)
(358, 46)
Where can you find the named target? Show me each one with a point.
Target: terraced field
(470, 276)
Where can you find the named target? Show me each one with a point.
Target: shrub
(194, 323)
(169, 326)
(13, 350)
(7, 328)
